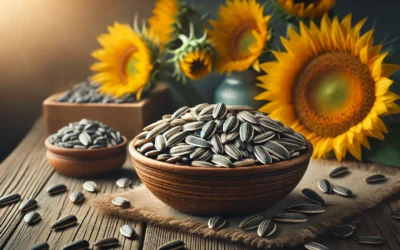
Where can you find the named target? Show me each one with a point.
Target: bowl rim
(75, 152)
(279, 166)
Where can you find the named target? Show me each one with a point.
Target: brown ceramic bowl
(86, 162)
(220, 191)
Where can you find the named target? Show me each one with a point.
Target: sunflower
(196, 64)
(125, 61)
(240, 35)
(331, 85)
(303, 8)
(164, 17)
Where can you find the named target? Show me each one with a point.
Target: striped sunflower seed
(376, 178)
(65, 222)
(251, 222)
(152, 153)
(325, 186)
(269, 124)
(121, 202)
(207, 111)
(240, 108)
(174, 159)
(173, 245)
(266, 228)
(276, 149)
(219, 111)
(127, 231)
(208, 130)
(163, 157)
(56, 189)
(9, 199)
(339, 171)
(343, 191)
(193, 126)
(258, 129)
(246, 132)
(312, 196)
(262, 155)
(85, 139)
(290, 218)
(307, 209)
(206, 156)
(141, 142)
(108, 242)
(90, 186)
(216, 144)
(41, 246)
(166, 117)
(205, 118)
(197, 153)
(153, 125)
(181, 150)
(181, 111)
(158, 130)
(160, 143)
(123, 182)
(315, 246)
(266, 136)
(247, 116)
(216, 222)
(232, 136)
(178, 122)
(245, 163)
(32, 217)
(167, 134)
(221, 160)
(198, 142)
(199, 107)
(230, 125)
(232, 151)
(370, 240)
(189, 117)
(342, 231)
(239, 144)
(176, 138)
(146, 147)
(76, 197)
(28, 205)
(201, 164)
(77, 245)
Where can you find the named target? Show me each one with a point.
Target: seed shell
(153, 125)
(240, 108)
(180, 112)
(158, 130)
(342, 231)
(28, 205)
(127, 231)
(152, 153)
(90, 186)
(370, 240)
(263, 137)
(85, 139)
(219, 111)
(290, 218)
(182, 150)
(221, 160)
(198, 142)
(230, 125)
(202, 164)
(274, 148)
(312, 196)
(167, 134)
(246, 132)
(232, 151)
(121, 202)
(56, 189)
(77, 245)
(208, 130)
(266, 228)
(65, 222)
(251, 222)
(315, 246)
(245, 163)
(339, 171)
(325, 186)
(193, 126)
(262, 155)
(76, 197)
(247, 116)
(376, 178)
(41, 246)
(216, 145)
(108, 242)
(174, 159)
(307, 208)
(32, 217)
(123, 182)
(176, 138)
(216, 222)
(173, 245)
(9, 199)
(343, 191)
(160, 143)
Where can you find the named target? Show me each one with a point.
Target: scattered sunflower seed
(251, 222)
(307, 208)
(123, 182)
(65, 222)
(290, 218)
(216, 222)
(108, 242)
(343, 191)
(56, 189)
(127, 231)
(266, 228)
(90, 186)
(376, 178)
(312, 196)
(76, 197)
(121, 202)
(41, 246)
(173, 245)
(9, 199)
(28, 205)
(315, 246)
(32, 217)
(342, 231)
(325, 186)
(77, 245)
(370, 240)
(339, 171)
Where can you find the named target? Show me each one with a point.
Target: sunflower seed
(158, 130)
(276, 149)
(65, 222)
(245, 163)
(197, 153)
(181, 150)
(9, 199)
(199, 107)
(258, 129)
(221, 160)
(262, 155)
(205, 118)
(240, 108)
(193, 126)
(174, 159)
(205, 156)
(141, 142)
(376, 178)
(239, 144)
(167, 134)
(207, 111)
(123, 182)
(41, 246)
(250, 148)
(163, 157)
(230, 125)
(315, 246)
(85, 139)
(108, 242)
(198, 142)
(146, 147)
(208, 130)
(370, 240)
(339, 171)
(266, 228)
(219, 111)
(343, 191)
(127, 231)
(232, 136)
(290, 218)
(251, 222)
(77, 245)
(224, 138)
(325, 186)
(28, 205)
(246, 132)
(396, 215)
(32, 217)
(166, 117)
(173, 245)
(76, 197)
(121, 202)
(342, 231)
(189, 117)
(216, 145)
(233, 151)
(247, 116)
(160, 142)
(216, 222)
(56, 189)
(152, 153)
(263, 137)
(90, 186)
(312, 196)
(177, 122)
(178, 137)
(307, 208)
(201, 164)
(153, 125)
(180, 112)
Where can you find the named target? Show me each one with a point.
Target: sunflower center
(128, 64)
(333, 92)
(197, 67)
(240, 41)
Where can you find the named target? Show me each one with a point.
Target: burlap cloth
(147, 208)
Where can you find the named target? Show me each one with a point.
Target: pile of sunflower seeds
(88, 92)
(219, 136)
(86, 134)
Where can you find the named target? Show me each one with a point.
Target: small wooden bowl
(220, 191)
(86, 162)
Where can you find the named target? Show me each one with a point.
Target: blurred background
(46, 46)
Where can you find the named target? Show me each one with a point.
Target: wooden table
(27, 172)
